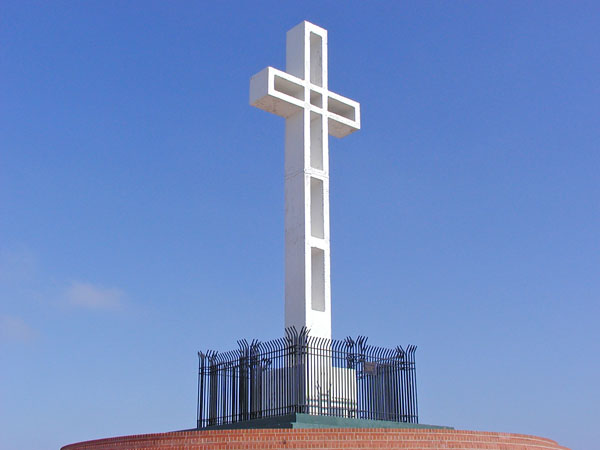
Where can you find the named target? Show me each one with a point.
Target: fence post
(200, 399)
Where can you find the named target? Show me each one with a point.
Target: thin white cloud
(86, 295)
(14, 328)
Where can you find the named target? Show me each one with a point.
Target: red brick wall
(337, 438)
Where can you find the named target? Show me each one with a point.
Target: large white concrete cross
(312, 112)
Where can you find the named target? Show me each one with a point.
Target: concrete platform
(297, 420)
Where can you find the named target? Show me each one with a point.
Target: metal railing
(300, 373)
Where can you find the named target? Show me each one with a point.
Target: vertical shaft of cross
(312, 113)
(307, 254)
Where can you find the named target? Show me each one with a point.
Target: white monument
(311, 112)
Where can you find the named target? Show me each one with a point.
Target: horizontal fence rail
(300, 373)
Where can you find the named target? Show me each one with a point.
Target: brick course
(333, 438)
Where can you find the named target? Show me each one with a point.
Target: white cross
(312, 112)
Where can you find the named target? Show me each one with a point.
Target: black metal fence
(300, 373)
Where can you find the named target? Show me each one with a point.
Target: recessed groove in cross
(316, 59)
(316, 141)
(312, 113)
(318, 298)
(288, 87)
(316, 208)
(341, 108)
(316, 98)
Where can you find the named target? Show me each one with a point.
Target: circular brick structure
(331, 438)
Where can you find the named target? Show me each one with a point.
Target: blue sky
(141, 206)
